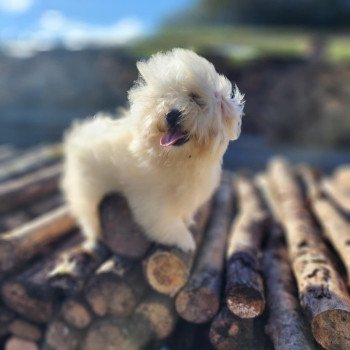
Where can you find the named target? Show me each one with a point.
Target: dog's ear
(142, 67)
(235, 128)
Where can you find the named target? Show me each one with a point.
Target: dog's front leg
(161, 225)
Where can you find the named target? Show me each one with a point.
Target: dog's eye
(232, 95)
(196, 99)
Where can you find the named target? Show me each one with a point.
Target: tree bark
(335, 226)
(116, 287)
(286, 325)
(339, 195)
(27, 241)
(30, 293)
(229, 332)
(322, 293)
(28, 188)
(120, 232)
(244, 285)
(199, 301)
(30, 161)
(74, 266)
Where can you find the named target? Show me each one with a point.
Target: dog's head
(180, 101)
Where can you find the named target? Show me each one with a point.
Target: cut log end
(60, 336)
(76, 314)
(228, 332)
(245, 302)
(16, 297)
(197, 306)
(166, 272)
(105, 335)
(331, 329)
(15, 343)
(113, 298)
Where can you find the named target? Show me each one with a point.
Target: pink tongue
(170, 137)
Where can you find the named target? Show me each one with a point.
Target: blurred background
(62, 59)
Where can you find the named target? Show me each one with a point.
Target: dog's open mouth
(174, 137)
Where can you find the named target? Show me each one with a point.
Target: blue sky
(45, 19)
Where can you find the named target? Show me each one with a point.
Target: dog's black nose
(173, 118)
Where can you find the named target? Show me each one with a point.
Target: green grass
(241, 43)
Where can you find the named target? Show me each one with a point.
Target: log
(7, 152)
(108, 333)
(30, 161)
(121, 234)
(335, 226)
(286, 325)
(6, 318)
(45, 205)
(342, 177)
(244, 291)
(25, 330)
(60, 336)
(167, 269)
(116, 287)
(23, 190)
(27, 241)
(76, 313)
(339, 196)
(73, 267)
(322, 293)
(12, 220)
(30, 293)
(155, 317)
(229, 332)
(17, 343)
(199, 300)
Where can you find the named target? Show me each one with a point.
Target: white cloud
(53, 27)
(15, 6)
(76, 34)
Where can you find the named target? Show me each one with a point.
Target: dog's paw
(186, 243)
(189, 221)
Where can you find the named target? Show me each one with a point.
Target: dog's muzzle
(174, 136)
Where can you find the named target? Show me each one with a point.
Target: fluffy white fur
(164, 185)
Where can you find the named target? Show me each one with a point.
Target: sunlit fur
(164, 185)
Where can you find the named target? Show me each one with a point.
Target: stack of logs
(270, 271)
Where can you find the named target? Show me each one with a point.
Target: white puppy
(165, 153)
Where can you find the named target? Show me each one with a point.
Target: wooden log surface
(60, 336)
(75, 313)
(322, 292)
(25, 330)
(286, 325)
(10, 221)
(199, 300)
(244, 290)
(167, 269)
(25, 242)
(121, 234)
(17, 343)
(72, 267)
(25, 189)
(7, 316)
(229, 332)
(116, 287)
(335, 226)
(30, 293)
(155, 317)
(30, 160)
(339, 195)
